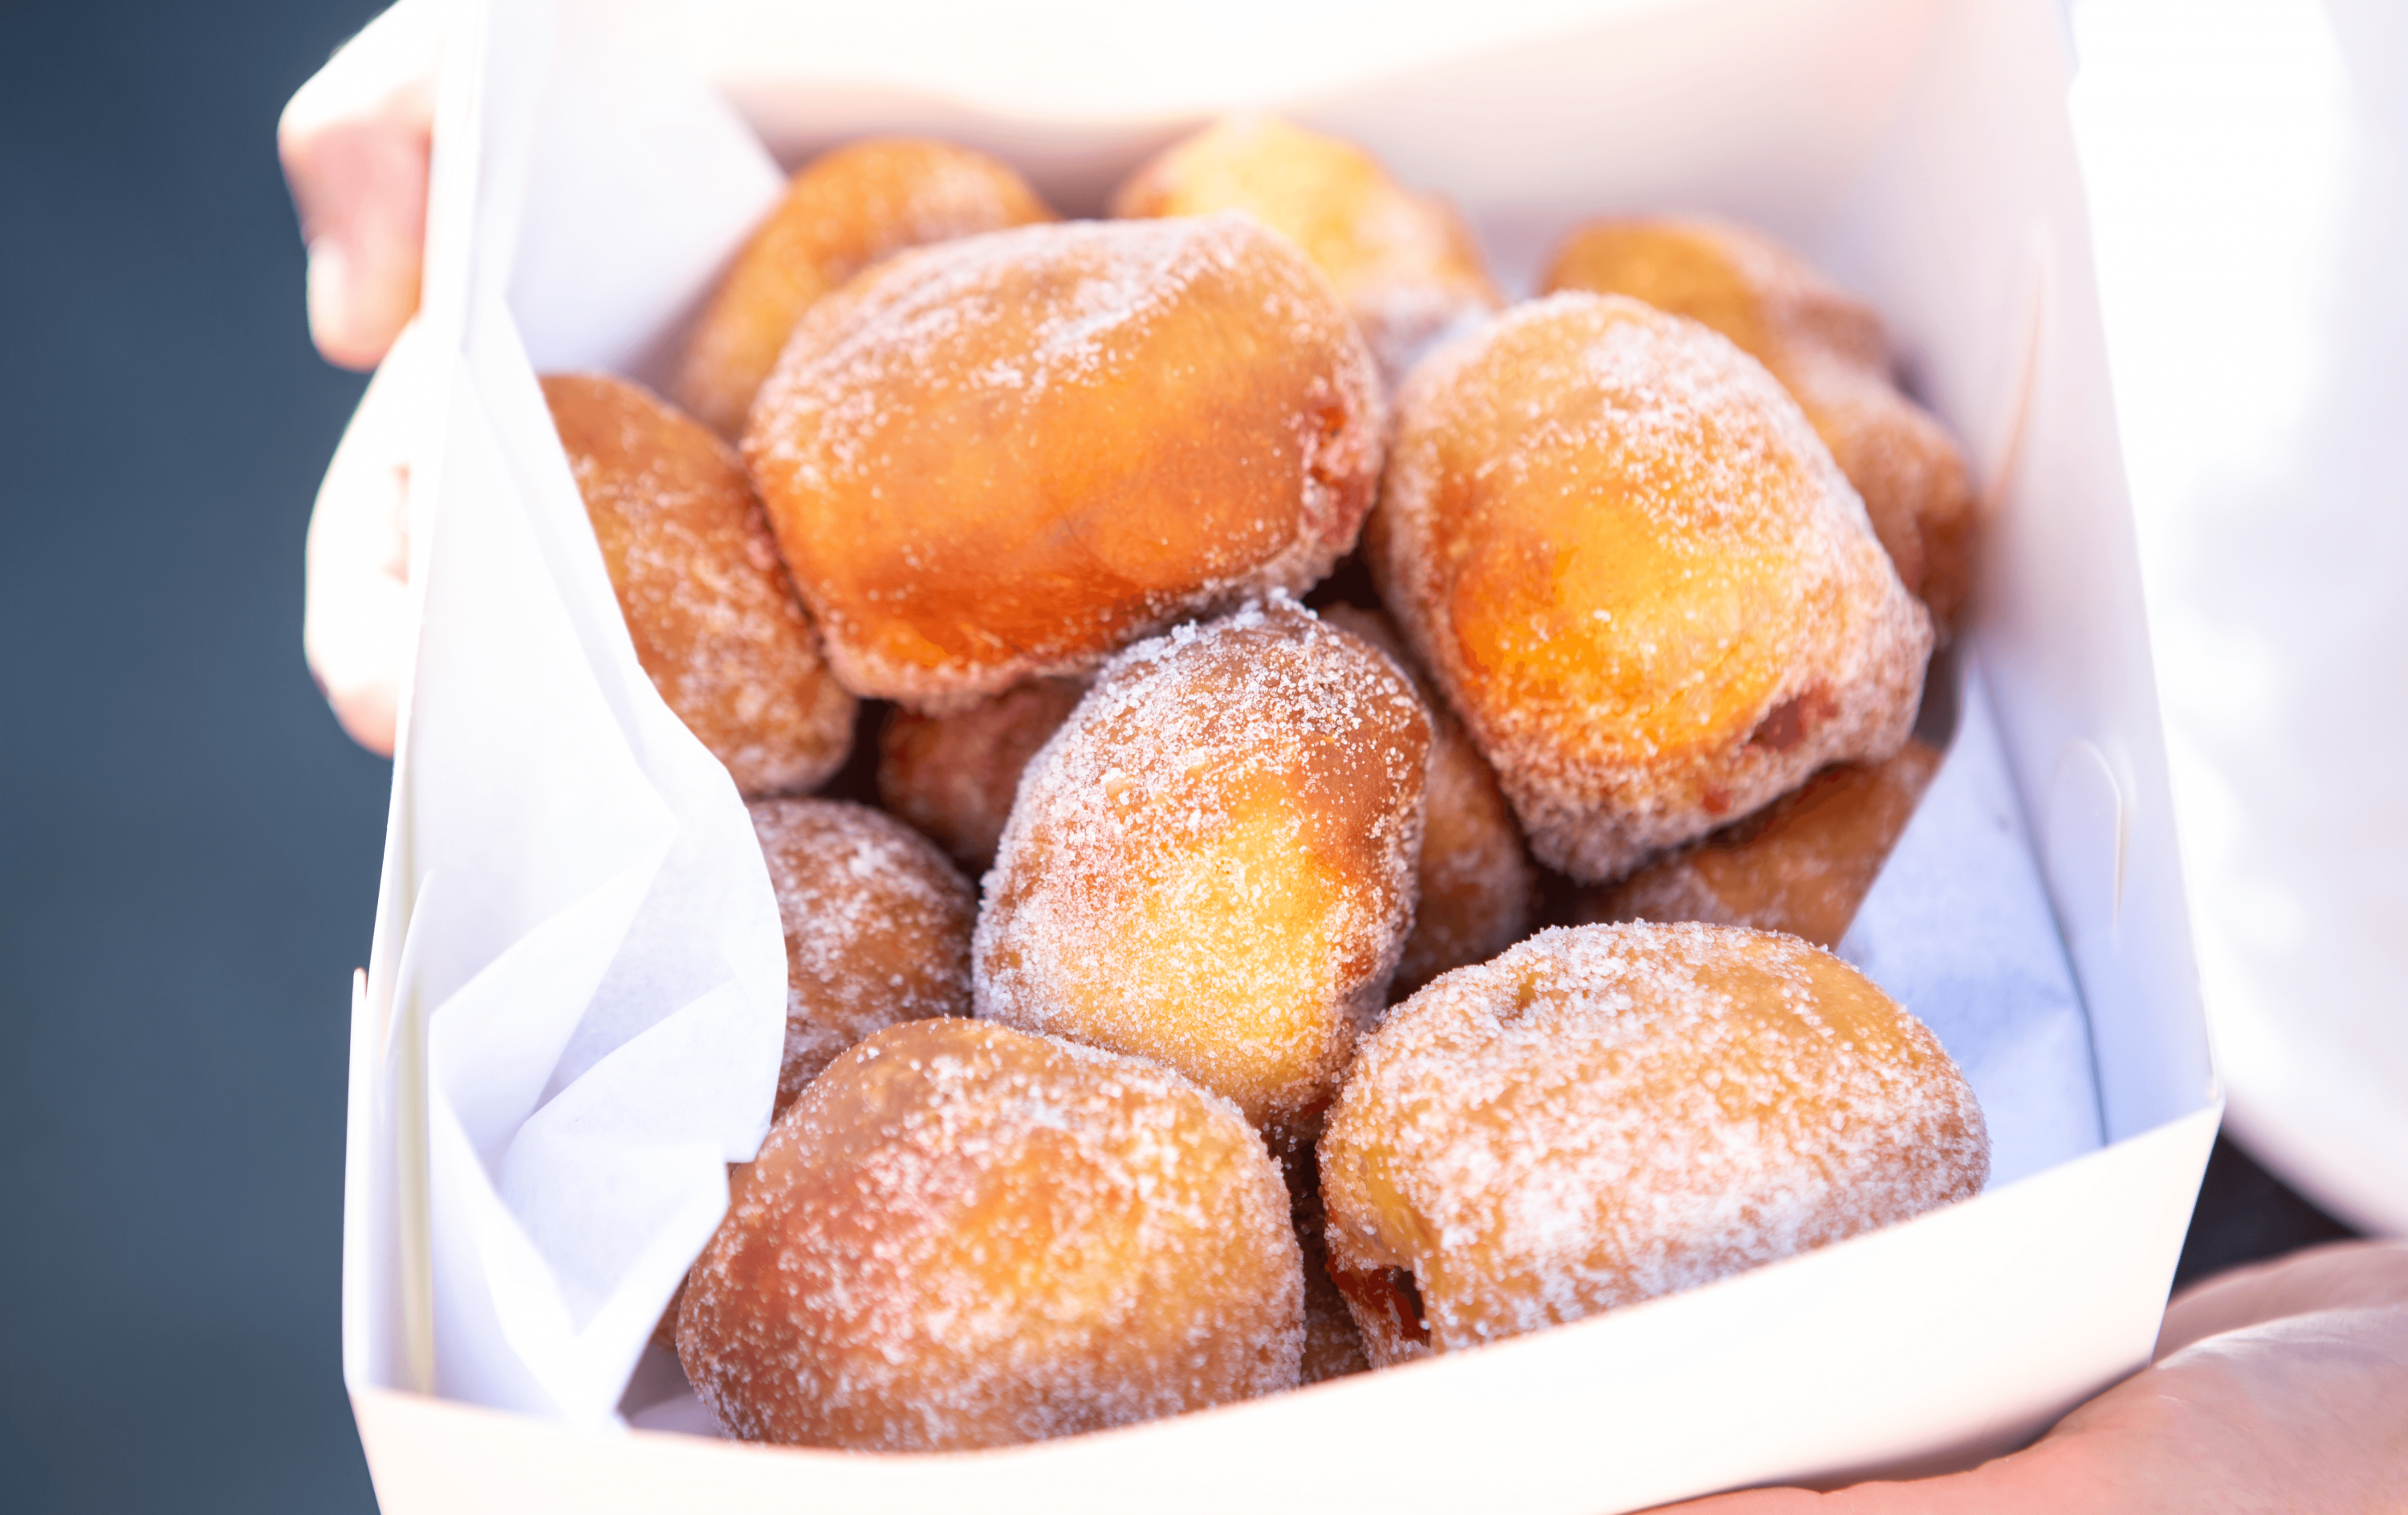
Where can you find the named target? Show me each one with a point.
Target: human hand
(2278, 1387)
(354, 142)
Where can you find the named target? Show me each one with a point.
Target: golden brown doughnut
(1405, 263)
(1477, 887)
(1830, 350)
(1638, 578)
(848, 208)
(964, 1237)
(1211, 865)
(877, 927)
(1006, 456)
(1605, 1114)
(954, 776)
(1801, 865)
(714, 619)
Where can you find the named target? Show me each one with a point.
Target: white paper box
(1918, 150)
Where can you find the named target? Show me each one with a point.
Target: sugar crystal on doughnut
(954, 776)
(1010, 456)
(1637, 576)
(962, 1235)
(877, 927)
(843, 211)
(1211, 864)
(1476, 886)
(1801, 865)
(1407, 266)
(1830, 350)
(1606, 1114)
(714, 619)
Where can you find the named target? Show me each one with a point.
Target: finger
(2061, 1475)
(354, 141)
(2300, 1412)
(356, 617)
(2025, 1483)
(2339, 1275)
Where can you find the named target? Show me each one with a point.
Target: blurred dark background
(188, 844)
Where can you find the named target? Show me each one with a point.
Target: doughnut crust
(1637, 576)
(954, 776)
(848, 208)
(1605, 1114)
(1803, 865)
(1211, 864)
(714, 619)
(1829, 348)
(1477, 888)
(877, 927)
(1404, 263)
(1010, 456)
(964, 1237)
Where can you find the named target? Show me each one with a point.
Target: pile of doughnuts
(1418, 749)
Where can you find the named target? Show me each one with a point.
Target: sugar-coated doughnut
(1801, 865)
(1830, 349)
(1637, 576)
(1211, 864)
(715, 622)
(846, 209)
(1010, 456)
(961, 1236)
(878, 926)
(1477, 888)
(1405, 263)
(1605, 1114)
(954, 776)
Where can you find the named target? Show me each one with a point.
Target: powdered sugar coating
(877, 927)
(1211, 864)
(715, 622)
(1638, 576)
(845, 210)
(1605, 1114)
(1803, 865)
(1010, 456)
(954, 776)
(1914, 482)
(965, 1236)
(1828, 350)
(1476, 886)
(1405, 263)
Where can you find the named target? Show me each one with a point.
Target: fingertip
(329, 285)
(369, 714)
(357, 305)
(354, 143)
(355, 652)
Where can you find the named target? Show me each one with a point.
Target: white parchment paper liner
(589, 1001)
